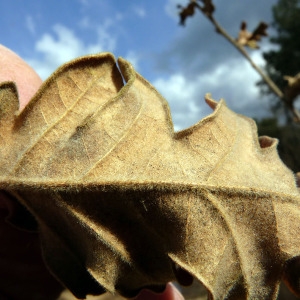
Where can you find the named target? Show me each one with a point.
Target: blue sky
(183, 63)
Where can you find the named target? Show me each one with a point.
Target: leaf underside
(122, 201)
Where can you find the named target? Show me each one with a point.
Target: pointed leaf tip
(267, 142)
(9, 98)
(126, 69)
(211, 102)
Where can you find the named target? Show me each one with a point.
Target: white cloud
(134, 59)
(119, 16)
(171, 8)
(105, 37)
(139, 11)
(65, 45)
(84, 2)
(85, 22)
(184, 97)
(30, 24)
(233, 81)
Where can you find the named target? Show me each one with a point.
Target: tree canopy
(283, 63)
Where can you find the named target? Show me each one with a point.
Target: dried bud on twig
(250, 39)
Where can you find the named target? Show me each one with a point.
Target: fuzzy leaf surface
(123, 202)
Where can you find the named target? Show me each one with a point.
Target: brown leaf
(249, 39)
(292, 91)
(188, 11)
(298, 179)
(122, 201)
(208, 8)
(259, 31)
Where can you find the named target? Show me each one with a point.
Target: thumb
(13, 68)
(170, 293)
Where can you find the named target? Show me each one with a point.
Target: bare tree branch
(219, 29)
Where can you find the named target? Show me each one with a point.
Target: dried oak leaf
(188, 11)
(208, 8)
(250, 39)
(292, 91)
(123, 202)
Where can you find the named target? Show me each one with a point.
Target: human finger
(13, 68)
(170, 293)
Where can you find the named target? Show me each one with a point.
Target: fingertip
(13, 68)
(170, 293)
(176, 293)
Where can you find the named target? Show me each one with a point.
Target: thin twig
(275, 89)
(266, 78)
